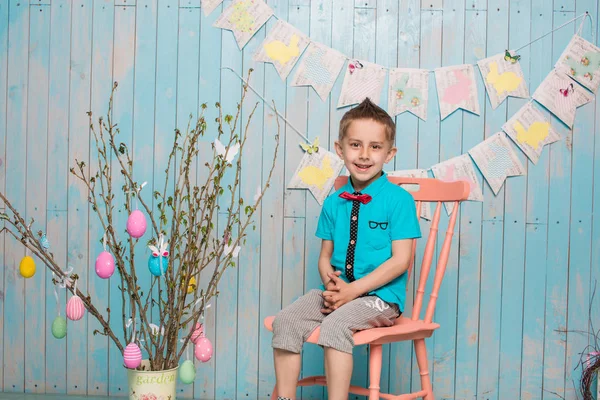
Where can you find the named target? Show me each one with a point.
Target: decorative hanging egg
(105, 265)
(192, 285)
(59, 327)
(154, 265)
(187, 372)
(204, 349)
(136, 224)
(27, 267)
(75, 308)
(197, 332)
(132, 356)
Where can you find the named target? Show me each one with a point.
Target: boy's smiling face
(364, 149)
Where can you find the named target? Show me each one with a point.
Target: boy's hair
(368, 110)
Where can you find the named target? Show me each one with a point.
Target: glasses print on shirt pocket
(380, 225)
(379, 237)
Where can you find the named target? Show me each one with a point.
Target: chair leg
(374, 371)
(421, 352)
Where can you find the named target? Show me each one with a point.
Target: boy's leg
(336, 336)
(291, 327)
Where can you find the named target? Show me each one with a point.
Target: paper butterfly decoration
(510, 58)
(230, 151)
(311, 148)
(45, 242)
(568, 90)
(229, 249)
(354, 65)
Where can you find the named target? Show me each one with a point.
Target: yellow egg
(191, 285)
(27, 267)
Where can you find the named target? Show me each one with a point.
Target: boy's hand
(344, 293)
(331, 287)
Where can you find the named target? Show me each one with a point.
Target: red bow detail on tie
(363, 198)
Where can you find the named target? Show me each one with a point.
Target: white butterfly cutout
(221, 150)
(228, 249)
(155, 329)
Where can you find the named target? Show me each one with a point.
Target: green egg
(187, 372)
(59, 327)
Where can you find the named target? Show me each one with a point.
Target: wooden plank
(407, 133)
(226, 330)
(16, 107)
(511, 319)
(3, 125)
(57, 178)
(580, 226)
(209, 93)
(365, 4)
(123, 73)
(470, 231)
(444, 340)
(248, 277)
(79, 146)
(271, 218)
(37, 140)
(102, 56)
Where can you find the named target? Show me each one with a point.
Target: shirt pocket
(379, 233)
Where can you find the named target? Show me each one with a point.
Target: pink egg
(105, 265)
(203, 350)
(75, 308)
(132, 356)
(198, 332)
(136, 224)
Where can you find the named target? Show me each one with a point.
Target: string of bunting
(572, 82)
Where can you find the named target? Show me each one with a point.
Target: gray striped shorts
(294, 324)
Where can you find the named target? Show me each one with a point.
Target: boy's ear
(391, 154)
(338, 149)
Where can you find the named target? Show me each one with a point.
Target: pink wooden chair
(408, 326)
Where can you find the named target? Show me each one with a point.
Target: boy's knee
(281, 322)
(336, 333)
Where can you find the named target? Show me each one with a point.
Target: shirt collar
(373, 188)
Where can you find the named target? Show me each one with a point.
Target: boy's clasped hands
(337, 293)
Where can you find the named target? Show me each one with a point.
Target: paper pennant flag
(459, 169)
(408, 91)
(561, 96)
(362, 80)
(581, 61)
(456, 89)
(208, 6)
(282, 47)
(317, 172)
(415, 173)
(503, 77)
(319, 68)
(496, 160)
(531, 131)
(244, 18)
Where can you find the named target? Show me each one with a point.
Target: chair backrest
(437, 191)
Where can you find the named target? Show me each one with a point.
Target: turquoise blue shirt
(390, 215)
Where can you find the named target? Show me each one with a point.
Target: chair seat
(403, 329)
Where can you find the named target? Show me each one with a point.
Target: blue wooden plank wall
(521, 271)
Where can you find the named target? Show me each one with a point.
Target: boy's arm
(325, 260)
(387, 271)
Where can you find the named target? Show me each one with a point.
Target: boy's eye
(377, 146)
(354, 144)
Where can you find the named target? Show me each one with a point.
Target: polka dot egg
(75, 308)
(132, 356)
(136, 224)
(203, 350)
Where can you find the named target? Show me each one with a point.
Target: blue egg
(154, 265)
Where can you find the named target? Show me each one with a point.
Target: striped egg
(75, 308)
(198, 332)
(132, 356)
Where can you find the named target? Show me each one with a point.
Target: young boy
(365, 227)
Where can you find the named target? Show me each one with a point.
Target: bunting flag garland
(456, 89)
(496, 160)
(319, 68)
(561, 96)
(581, 61)
(244, 18)
(282, 47)
(408, 91)
(363, 79)
(503, 77)
(458, 168)
(414, 173)
(208, 6)
(530, 130)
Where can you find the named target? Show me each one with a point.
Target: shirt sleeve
(404, 221)
(325, 224)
